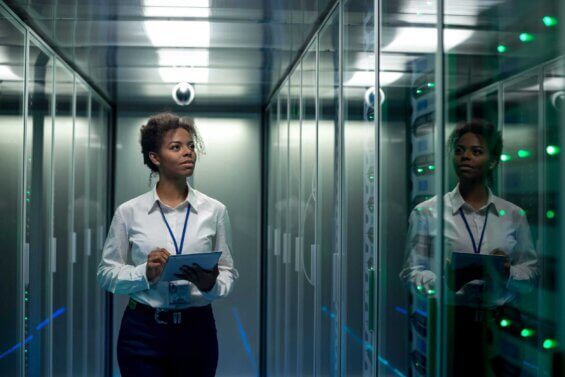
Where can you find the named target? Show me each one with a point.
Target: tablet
(206, 261)
(470, 266)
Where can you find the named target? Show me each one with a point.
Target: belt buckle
(177, 317)
(156, 316)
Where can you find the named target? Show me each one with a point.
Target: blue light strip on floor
(53, 316)
(366, 345)
(244, 340)
(401, 310)
(41, 325)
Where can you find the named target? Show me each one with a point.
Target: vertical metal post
(439, 183)
(377, 124)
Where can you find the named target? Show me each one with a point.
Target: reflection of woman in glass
(476, 222)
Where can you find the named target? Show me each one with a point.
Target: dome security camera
(558, 100)
(183, 93)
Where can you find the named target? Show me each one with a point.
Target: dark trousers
(149, 348)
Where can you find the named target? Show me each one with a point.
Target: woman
(475, 221)
(168, 328)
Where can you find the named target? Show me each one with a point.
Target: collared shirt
(138, 228)
(506, 229)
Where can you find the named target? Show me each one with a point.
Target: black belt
(171, 316)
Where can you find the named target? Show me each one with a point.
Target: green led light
(431, 85)
(505, 157)
(549, 343)
(25, 299)
(431, 292)
(526, 332)
(505, 322)
(522, 212)
(419, 91)
(25, 318)
(524, 153)
(550, 214)
(549, 21)
(502, 212)
(552, 150)
(420, 170)
(420, 287)
(526, 37)
(431, 167)
(501, 49)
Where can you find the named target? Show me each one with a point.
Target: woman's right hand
(155, 263)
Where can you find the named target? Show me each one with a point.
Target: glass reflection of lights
(552, 150)
(549, 21)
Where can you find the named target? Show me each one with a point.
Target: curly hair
(485, 129)
(157, 126)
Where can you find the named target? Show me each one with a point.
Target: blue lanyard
(178, 250)
(476, 250)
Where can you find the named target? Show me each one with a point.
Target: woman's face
(471, 158)
(176, 156)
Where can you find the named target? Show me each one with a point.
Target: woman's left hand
(203, 279)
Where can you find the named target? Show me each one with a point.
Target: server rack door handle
(286, 248)
(298, 254)
(73, 247)
(313, 265)
(26, 263)
(53, 255)
(276, 249)
(335, 277)
(371, 274)
(88, 242)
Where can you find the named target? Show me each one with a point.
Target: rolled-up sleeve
(114, 273)
(228, 274)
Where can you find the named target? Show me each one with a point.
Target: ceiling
(235, 52)
(135, 51)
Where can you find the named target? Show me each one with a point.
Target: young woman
(475, 221)
(168, 328)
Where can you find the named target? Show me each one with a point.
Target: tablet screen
(206, 261)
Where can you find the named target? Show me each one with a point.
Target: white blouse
(506, 229)
(138, 227)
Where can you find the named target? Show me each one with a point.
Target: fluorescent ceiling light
(186, 58)
(424, 40)
(367, 78)
(6, 74)
(188, 74)
(178, 33)
(177, 3)
(169, 12)
(176, 8)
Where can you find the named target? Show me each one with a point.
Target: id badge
(179, 293)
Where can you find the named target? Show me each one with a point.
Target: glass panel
(307, 277)
(62, 221)
(553, 106)
(496, 55)
(358, 316)
(406, 174)
(327, 252)
(82, 252)
(38, 206)
(95, 208)
(11, 170)
(272, 234)
(282, 220)
(291, 307)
